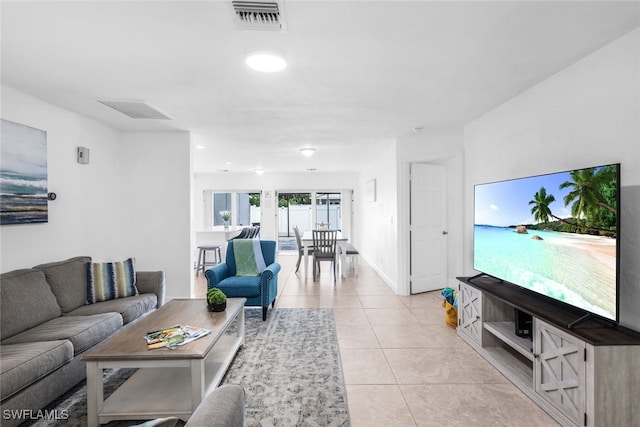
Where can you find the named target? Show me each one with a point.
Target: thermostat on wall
(83, 155)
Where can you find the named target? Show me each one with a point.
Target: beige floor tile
(381, 301)
(300, 289)
(339, 301)
(297, 301)
(440, 366)
(377, 288)
(365, 366)
(200, 287)
(356, 336)
(350, 316)
(390, 316)
(339, 288)
(426, 299)
(429, 315)
(478, 405)
(378, 406)
(416, 336)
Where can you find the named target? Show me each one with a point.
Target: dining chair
(244, 233)
(296, 231)
(254, 232)
(324, 249)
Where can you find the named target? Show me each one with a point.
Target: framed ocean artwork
(23, 174)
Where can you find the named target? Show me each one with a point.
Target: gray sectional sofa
(45, 326)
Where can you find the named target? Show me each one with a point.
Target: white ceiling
(360, 73)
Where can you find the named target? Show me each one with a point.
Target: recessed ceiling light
(200, 147)
(259, 171)
(307, 151)
(266, 62)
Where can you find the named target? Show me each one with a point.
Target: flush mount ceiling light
(259, 171)
(266, 62)
(307, 151)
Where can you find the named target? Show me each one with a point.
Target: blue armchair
(258, 290)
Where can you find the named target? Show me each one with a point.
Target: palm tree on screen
(541, 201)
(586, 194)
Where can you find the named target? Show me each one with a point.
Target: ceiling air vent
(259, 15)
(136, 109)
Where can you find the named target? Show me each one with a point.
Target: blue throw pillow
(110, 280)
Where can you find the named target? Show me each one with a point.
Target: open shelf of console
(584, 376)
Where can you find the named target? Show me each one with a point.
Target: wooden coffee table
(168, 382)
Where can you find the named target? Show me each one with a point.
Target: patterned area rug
(289, 367)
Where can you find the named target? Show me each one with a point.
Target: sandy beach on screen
(603, 248)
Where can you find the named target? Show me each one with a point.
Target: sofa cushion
(129, 308)
(26, 300)
(223, 407)
(68, 281)
(240, 286)
(23, 364)
(110, 280)
(82, 331)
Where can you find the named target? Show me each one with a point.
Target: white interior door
(428, 225)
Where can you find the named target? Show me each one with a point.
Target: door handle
(445, 232)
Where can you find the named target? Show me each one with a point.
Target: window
(328, 210)
(244, 208)
(248, 208)
(221, 202)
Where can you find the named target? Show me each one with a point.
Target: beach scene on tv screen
(553, 234)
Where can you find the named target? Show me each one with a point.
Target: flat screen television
(554, 234)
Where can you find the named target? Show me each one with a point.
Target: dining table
(341, 246)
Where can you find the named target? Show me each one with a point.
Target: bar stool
(202, 257)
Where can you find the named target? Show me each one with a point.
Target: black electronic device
(524, 324)
(556, 235)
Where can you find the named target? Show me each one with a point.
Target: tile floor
(402, 365)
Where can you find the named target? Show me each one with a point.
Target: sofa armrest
(216, 274)
(269, 284)
(151, 282)
(223, 407)
(274, 268)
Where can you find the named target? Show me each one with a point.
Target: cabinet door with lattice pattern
(470, 313)
(559, 370)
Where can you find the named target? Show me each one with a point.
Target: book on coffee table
(175, 336)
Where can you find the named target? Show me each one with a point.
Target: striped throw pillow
(110, 280)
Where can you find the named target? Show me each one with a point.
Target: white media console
(588, 375)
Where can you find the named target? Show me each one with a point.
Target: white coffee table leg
(197, 383)
(240, 326)
(95, 393)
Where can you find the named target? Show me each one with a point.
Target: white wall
(132, 199)
(156, 205)
(82, 219)
(376, 222)
(585, 115)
